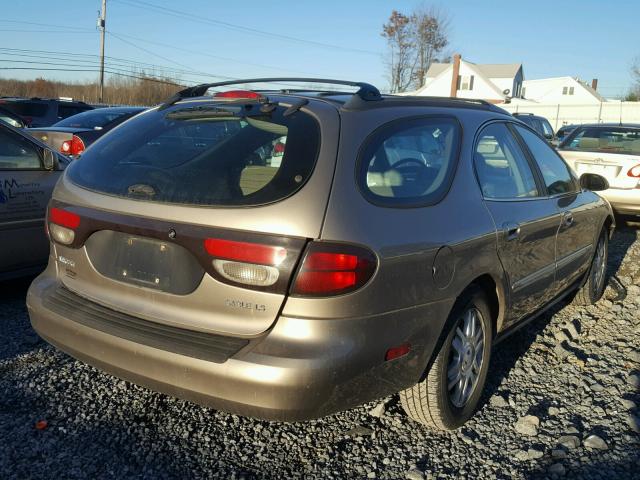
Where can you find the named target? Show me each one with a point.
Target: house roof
(584, 85)
(489, 70)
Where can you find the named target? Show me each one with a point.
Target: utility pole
(101, 26)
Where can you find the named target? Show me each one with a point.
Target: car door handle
(511, 230)
(567, 219)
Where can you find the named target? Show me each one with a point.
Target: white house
(491, 82)
(561, 90)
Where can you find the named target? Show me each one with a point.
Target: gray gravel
(576, 371)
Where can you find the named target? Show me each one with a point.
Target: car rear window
(621, 140)
(92, 118)
(410, 162)
(28, 109)
(207, 155)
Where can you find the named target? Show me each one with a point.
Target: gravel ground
(562, 402)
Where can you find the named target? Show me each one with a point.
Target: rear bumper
(626, 201)
(300, 369)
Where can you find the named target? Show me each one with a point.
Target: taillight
(62, 225)
(252, 264)
(75, 146)
(238, 94)
(333, 269)
(278, 148)
(634, 172)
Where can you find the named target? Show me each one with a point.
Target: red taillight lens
(278, 148)
(333, 269)
(64, 218)
(75, 146)
(245, 251)
(634, 172)
(238, 94)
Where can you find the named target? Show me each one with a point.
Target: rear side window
(209, 155)
(555, 172)
(16, 152)
(65, 111)
(28, 109)
(410, 162)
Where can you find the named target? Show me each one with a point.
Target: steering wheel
(409, 161)
(153, 175)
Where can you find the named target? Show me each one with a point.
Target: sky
(214, 40)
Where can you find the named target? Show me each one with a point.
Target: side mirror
(593, 182)
(49, 159)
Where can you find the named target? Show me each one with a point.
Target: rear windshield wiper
(215, 112)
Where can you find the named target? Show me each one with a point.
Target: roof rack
(366, 91)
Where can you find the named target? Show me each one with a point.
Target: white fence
(558, 115)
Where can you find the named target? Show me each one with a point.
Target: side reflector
(64, 218)
(333, 269)
(397, 352)
(245, 252)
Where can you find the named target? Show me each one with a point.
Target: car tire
(596, 281)
(430, 401)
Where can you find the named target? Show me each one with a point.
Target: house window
(465, 82)
(524, 92)
(570, 90)
(567, 90)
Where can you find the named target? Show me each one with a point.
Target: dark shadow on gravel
(626, 233)
(625, 467)
(16, 335)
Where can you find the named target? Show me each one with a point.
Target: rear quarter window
(209, 155)
(409, 162)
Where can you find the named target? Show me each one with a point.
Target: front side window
(17, 153)
(410, 161)
(556, 174)
(205, 155)
(502, 168)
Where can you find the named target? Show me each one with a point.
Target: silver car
(613, 151)
(392, 244)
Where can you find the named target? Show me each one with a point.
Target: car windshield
(93, 118)
(210, 155)
(622, 140)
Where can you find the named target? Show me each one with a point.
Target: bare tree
(402, 59)
(634, 91)
(431, 27)
(415, 41)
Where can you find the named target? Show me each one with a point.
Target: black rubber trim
(205, 346)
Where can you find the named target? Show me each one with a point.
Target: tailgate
(211, 268)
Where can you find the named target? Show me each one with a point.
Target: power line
(203, 54)
(160, 56)
(94, 71)
(200, 19)
(66, 27)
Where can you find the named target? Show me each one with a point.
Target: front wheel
(450, 393)
(594, 287)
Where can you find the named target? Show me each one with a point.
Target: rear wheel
(594, 287)
(449, 394)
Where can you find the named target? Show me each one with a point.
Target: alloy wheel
(466, 357)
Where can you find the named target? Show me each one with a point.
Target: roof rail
(365, 92)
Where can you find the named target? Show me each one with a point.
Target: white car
(613, 151)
